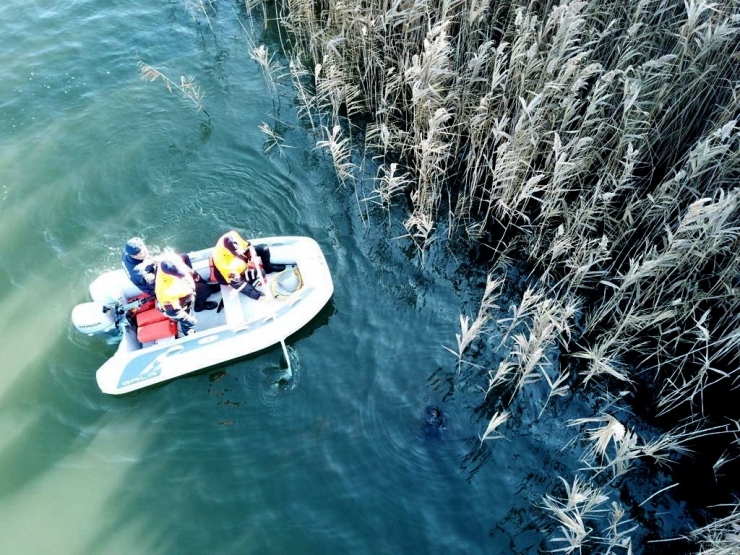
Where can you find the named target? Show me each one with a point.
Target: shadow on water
(54, 435)
(193, 492)
(198, 476)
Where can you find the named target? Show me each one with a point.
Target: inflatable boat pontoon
(151, 351)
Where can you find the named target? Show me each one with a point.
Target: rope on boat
(281, 277)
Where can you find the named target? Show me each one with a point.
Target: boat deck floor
(234, 309)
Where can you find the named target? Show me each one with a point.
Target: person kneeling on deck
(175, 289)
(235, 262)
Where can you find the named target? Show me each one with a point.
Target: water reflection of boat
(150, 350)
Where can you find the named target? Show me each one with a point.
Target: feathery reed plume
(271, 68)
(626, 448)
(197, 7)
(527, 308)
(341, 153)
(496, 420)
(503, 374)
(623, 441)
(469, 332)
(600, 363)
(545, 323)
(720, 537)
(601, 139)
(188, 87)
(420, 225)
(616, 538)
(390, 183)
(274, 138)
(581, 503)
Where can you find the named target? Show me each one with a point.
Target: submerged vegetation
(599, 139)
(188, 86)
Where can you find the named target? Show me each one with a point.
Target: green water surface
(221, 462)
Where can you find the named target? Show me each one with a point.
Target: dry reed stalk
(271, 68)
(432, 154)
(469, 332)
(581, 503)
(721, 461)
(720, 537)
(198, 7)
(390, 183)
(188, 87)
(274, 138)
(336, 90)
(429, 76)
(496, 420)
(557, 387)
(299, 18)
(616, 538)
(600, 136)
(341, 153)
(306, 100)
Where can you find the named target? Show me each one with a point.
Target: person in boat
(235, 262)
(140, 266)
(141, 269)
(179, 290)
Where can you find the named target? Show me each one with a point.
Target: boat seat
(149, 316)
(152, 325)
(163, 329)
(232, 305)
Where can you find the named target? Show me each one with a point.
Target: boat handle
(173, 350)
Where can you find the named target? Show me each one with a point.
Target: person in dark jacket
(141, 268)
(139, 265)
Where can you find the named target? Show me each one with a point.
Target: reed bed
(600, 139)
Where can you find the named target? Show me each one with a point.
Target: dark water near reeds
(222, 462)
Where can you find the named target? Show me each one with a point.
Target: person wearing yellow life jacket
(232, 264)
(176, 287)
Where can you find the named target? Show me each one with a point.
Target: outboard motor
(95, 319)
(110, 293)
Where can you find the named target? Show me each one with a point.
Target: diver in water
(434, 421)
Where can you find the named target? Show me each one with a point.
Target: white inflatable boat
(151, 350)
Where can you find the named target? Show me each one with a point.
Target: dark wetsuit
(434, 422)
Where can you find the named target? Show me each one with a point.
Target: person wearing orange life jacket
(175, 290)
(232, 264)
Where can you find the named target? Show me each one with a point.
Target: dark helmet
(135, 246)
(170, 267)
(232, 245)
